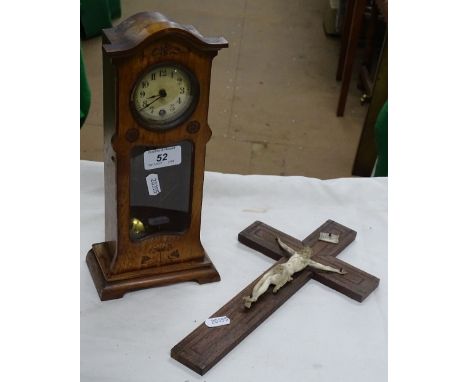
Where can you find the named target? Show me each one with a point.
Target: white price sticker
(217, 321)
(165, 157)
(152, 181)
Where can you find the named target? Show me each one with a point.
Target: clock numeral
(161, 157)
(182, 90)
(142, 93)
(179, 101)
(162, 73)
(172, 107)
(144, 84)
(153, 76)
(145, 103)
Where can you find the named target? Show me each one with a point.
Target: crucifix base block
(206, 346)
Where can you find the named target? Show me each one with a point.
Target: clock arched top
(144, 27)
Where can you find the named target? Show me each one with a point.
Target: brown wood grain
(202, 272)
(142, 41)
(205, 346)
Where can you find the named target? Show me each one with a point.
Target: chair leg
(344, 37)
(356, 24)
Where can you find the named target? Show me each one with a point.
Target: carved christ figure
(282, 273)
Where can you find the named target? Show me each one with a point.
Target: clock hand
(162, 93)
(153, 101)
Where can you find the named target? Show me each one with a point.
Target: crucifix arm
(305, 251)
(316, 265)
(285, 247)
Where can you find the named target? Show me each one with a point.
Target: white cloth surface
(317, 335)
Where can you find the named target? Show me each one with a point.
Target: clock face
(165, 96)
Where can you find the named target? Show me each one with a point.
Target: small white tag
(217, 321)
(329, 237)
(165, 157)
(152, 181)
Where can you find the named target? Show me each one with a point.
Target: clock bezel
(162, 126)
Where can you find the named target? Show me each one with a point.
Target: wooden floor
(273, 92)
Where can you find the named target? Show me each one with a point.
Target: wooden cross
(206, 346)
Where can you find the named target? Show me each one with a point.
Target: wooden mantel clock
(156, 93)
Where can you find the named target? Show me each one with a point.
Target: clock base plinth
(111, 290)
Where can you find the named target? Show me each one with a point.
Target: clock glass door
(160, 189)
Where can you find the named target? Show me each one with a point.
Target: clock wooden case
(156, 93)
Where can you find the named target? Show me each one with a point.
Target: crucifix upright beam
(206, 346)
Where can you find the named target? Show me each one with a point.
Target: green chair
(95, 15)
(85, 93)
(381, 137)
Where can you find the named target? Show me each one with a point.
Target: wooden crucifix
(206, 346)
